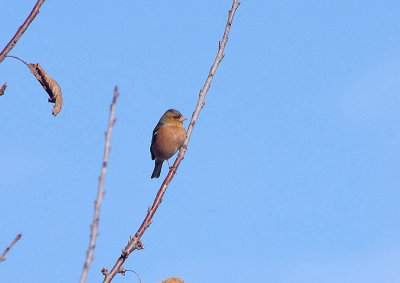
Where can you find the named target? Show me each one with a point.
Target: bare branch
(135, 242)
(100, 192)
(9, 247)
(21, 30)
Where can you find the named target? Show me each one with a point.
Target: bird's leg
(171, 167)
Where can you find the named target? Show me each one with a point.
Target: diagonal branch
(135, 242)
(21, 30)
(100, 192)
(9, 247)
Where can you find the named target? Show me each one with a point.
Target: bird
(168, 136)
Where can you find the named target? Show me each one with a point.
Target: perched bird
(168, 137)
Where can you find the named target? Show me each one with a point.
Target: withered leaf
(50, 86)
(172, 280)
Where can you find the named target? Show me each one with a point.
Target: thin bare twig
(9, 247)
(100, 192)
(21, 30)
(135, 242)
(3, 89)
(123, 271)
(19, 59)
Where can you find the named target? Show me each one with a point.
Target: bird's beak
(182, 119)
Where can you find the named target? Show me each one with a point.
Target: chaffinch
(168, 137)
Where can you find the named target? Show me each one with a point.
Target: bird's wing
(153, 139)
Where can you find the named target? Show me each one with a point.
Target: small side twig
(123, 271)
(100, 192)
(3, 89)
(21, 30)
(19, 59)
(135, 242)
(9, 247)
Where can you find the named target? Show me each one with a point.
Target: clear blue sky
(292, 173)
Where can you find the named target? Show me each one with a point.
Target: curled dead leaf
(172, 280)
(50, 86)
(3, 89)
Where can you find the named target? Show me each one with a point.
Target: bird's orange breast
(169, 139)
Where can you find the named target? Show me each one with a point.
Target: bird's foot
(172, 168)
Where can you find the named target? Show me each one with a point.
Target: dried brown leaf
(3, 89)
(172, 280)
(50, 86)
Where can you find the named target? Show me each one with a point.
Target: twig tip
(3, 89)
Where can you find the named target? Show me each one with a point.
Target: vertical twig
(10, 246)
(100, 192)
(135, 242)
(21, 30)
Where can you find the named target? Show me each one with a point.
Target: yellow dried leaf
(50, 86)
(172, 280)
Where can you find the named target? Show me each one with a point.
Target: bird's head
(172, 116)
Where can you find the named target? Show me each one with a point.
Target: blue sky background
(292, 172)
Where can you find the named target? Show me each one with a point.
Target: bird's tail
(157, 169)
